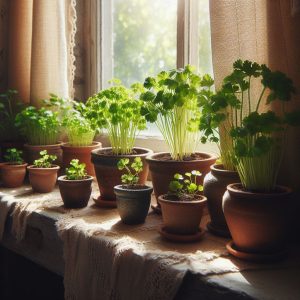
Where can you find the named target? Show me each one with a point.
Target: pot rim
(96, 153)
(94, 144)
(8, 165)
(62, 179)
(58, 144)
(193, 202)
(151, 158)
(234, 190)
(54, 167)
(215, 168)
(119, 187)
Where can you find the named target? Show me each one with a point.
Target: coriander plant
(76, 171)
(186, 187)
(45, 161)
(14, 156)
(117, 110)
(170, 100)
(132, 176)
(258, 135)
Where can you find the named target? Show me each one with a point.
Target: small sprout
(45, 161)
(76, 171)
(131, 177)
(13, 156)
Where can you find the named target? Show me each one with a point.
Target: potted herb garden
(76, 186)
(182, 208)
(256, 208)
(133, 199)
(41, 128)
(170, 100)
(13, 171)
(117, 111)
(43, 174)
(80, 133)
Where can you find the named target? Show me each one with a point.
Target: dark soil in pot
(12, 175)
(214, 187)
(43, 180)
(107, 173)
(257, 221)
(83, 153)
(133, 202)
(75, 193)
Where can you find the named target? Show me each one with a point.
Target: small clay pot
(43, 180)
(133, 204)
(12, 175)
(257, 221)
(32, 152)
(107, 173)
(162, 171)
(75, 193)
(182, 217)
(214, 187)
(83, 153)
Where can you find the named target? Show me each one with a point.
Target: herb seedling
(186, 187)
(76, 171)
(131, 178)
(14, 156)
(45, 161)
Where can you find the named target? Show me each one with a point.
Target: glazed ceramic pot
(32, 152)
(83, 153)
(182, 217)
(12, 175)
(43, 180)
(214, 187)
(133, 203)
(162, 171)
(257, 221)
(107, 173)
(75, 193)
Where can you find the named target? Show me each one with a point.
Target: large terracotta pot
(107, 172)
(162, 171)
(75, 193)
(181, 217)
(257, 221)
(32, 152)
(82, 153)
(42, 180)
(214, 187)
(12, 175)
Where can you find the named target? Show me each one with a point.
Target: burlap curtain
(40, 48)
(266, 31)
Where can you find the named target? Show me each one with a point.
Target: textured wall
(3, 44)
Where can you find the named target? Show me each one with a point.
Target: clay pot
(75, 193)
(162, 171)
(214, 187)
(133, 204)
(43, 180)
(257, 221)
(107, 172)
(181, 217)
(83, 153)
(32, 152)
(12, 175)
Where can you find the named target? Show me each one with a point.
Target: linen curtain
(266, 31)
(40, 48)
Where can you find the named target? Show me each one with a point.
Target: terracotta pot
(133, 204)
(214, 187)
(42, 180)
(7, 145)
(107, 172)
(12, 175)
(32, 152)
(75, 193)
(162, 172)
(82, 153)
(182, 217)
(257, 221)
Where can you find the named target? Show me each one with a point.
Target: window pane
(144, 38)
(205, 57)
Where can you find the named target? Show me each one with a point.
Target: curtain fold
(40, 54)
(266, 31)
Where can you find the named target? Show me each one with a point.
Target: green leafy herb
(45, 161)
(76, 171)
(132, 175)
(14, 156)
